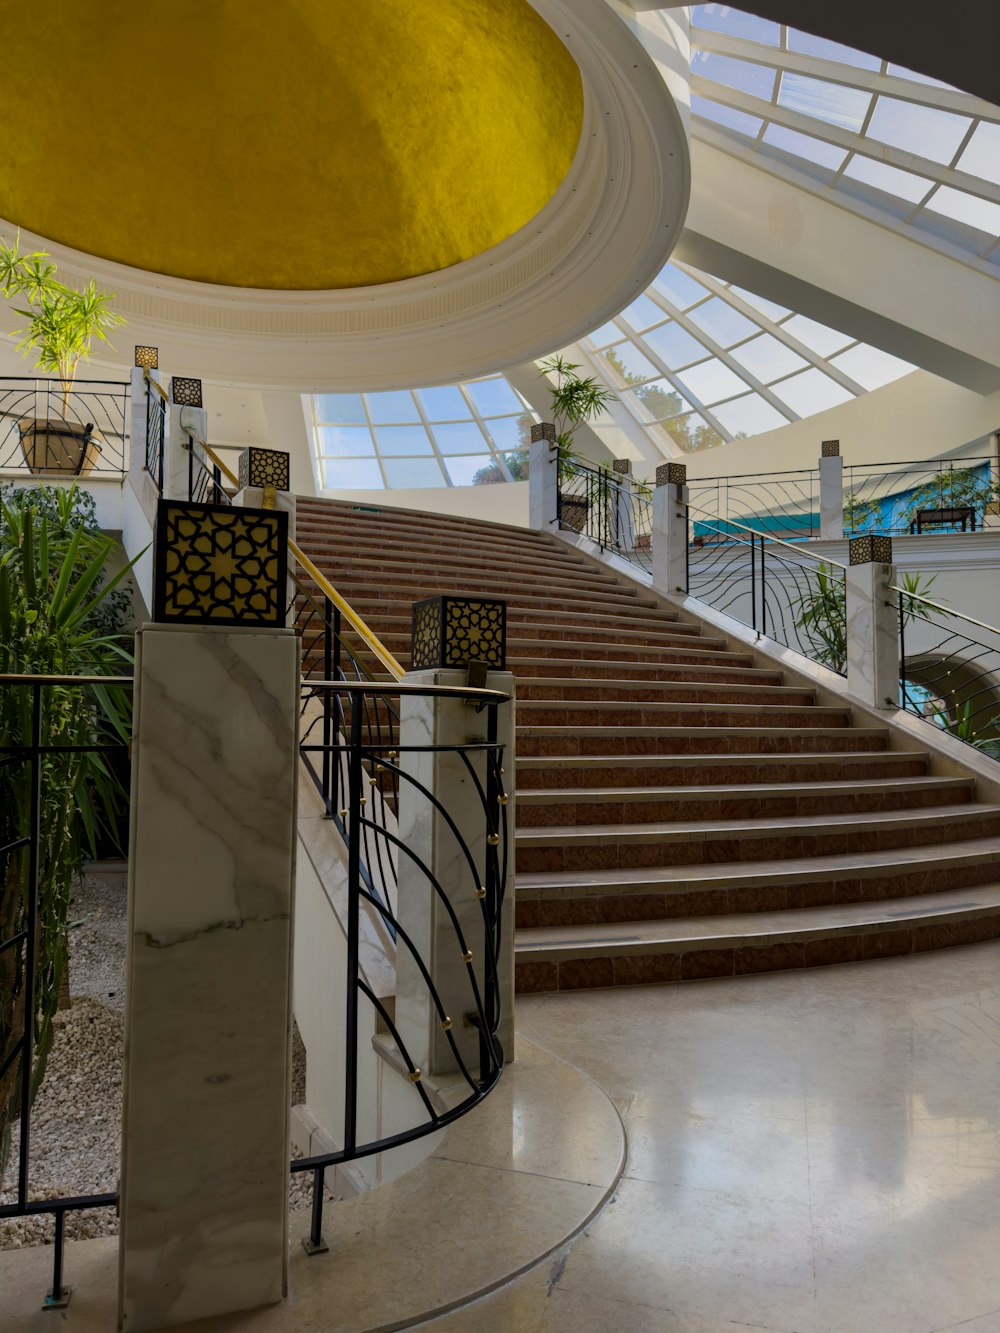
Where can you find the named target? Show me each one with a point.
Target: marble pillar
(424, 831)
(176, 453)
(872, 635)
(543, 486)
(670, 538)
(831, 498)
(204, 1171)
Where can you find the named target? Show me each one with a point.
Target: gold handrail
(347, 611)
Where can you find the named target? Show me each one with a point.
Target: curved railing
(50, 430)
(612, 510)
(781, 504)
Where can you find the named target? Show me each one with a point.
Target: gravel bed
(76, 1118)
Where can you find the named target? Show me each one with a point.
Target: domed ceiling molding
(598, 242)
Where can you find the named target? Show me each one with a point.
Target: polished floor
(808, 1152)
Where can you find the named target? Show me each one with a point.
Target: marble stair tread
(371, 558)
(583, 729)
(762, 791)
(753, 874)
(765, 691)
(761, 827)
(815, 759)
(709, 673)
(608, 939)
(700, 648)
(533, 617)
(762, 710)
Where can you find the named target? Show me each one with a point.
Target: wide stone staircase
(682, 811)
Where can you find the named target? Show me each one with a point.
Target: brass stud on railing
(481, 892)
(467, 956)
(415, 1076)
(493, 839)
(446, 1024)
(502, 800)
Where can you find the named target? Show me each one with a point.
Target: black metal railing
(364, 760)
(156, 430)
(30, 759)
(204, 484)
(612, 510)
(781, 504)
(949, 669)
(50, 430)
(929, 495)
(776, 588)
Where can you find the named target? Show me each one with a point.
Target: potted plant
(575, 399)
(62, 324)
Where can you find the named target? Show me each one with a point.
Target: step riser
(832, 741)
(370, 602)
(713, 773)
(698, 715)
(702, 964)
(566, 692)
(392, 615)
(723, 848)
(744, 807)
(605, 909)
(639, 672)
(378, 574)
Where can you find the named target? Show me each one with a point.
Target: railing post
(872, 628)
(624, 506)
(670, 529)
(831, 492)
(543, 478)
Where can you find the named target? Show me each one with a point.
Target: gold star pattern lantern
(870, 550)
(264, 467)
(454, 631)
(216, 565)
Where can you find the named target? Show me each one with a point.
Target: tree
(668, 409)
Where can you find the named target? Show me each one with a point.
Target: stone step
(538, 688)
(693, 948)
(519, 595)
(571, 807)
(627, 847)
(537, 617)
(595, 740)
(645, 713)
(695, 771)
(482, 546)
(530, 668)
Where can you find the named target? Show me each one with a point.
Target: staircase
(682, 812)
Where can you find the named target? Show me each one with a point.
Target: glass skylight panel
(833, 102)
(507, 434)
(811, 149)
(809, 45)
(444, 403)
(494, 396)
(724, 18)
(722, 321)
(870, 366)
(758, 80)
(629, 363)
(342, 408)
(967, 208)
(675, 345)
(460, 439)
(901, 72)
(653, 401)
(692, 432)
(463, 471)
(923, 130)
(767, 358)
(811, 391)
(361, 474)
(678, 287)
(402, 440)
(415, 472)
(817, 337)
(712, 381)
(727, 116)
(981, 155)
(749, 415)
(396, 405)
(773, 311)
(345, 441)
(607, 333)
(902, 184)
(642, 313)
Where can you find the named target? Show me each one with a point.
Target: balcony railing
(612, 510)
(53, 432)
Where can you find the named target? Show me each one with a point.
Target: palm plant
(51, 589)
(575, 399)
(822, 612)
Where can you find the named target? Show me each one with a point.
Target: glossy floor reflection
(809, 1152)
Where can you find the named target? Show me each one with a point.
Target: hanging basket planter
(53, 447)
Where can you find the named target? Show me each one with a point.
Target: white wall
(506, 502)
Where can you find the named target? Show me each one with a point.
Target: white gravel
(76, 1118)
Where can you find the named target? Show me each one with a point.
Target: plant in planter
(821, 613)
(574, 400)
(62, 324)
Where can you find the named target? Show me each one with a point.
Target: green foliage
(859, 513)
(517, 460)
(669, 410)
(952, 488)
(575, 399)
(822, 612)
(52, 585)
(62, 321)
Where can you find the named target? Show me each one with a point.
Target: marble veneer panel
(205, 1133)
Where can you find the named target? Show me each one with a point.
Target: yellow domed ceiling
(313, 144)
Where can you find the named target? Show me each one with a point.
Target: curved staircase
(682, 812)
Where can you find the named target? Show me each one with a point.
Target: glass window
(460, 439)
(967, 208)
(345, 407)
(811, 391)
(808, 45)
(607, 333)
(508, 433)
(629, 364)
(345, 441)
(806, 146)
(923, 130)
(726, 116)
(445, 403)
(981, 156)
(678, 287)
(749, 415)
(655, 401)
(417, 472)
(768, 308)
(464, 471)
(692, 432)
(643, 312)
(903, 184)
(767, 358)
(758, 80)
(724, 18)
(722, 322)
(711, 382)
(675, 345)
(870, 366)
(494, 396)
(402, 440)
(359, 474)
(832, 102)
(901, 72)
(817, 337)
(397, 405)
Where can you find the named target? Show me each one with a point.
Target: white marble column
(204, 1174)
(176, 453)
(831, 492)
(428, 721)
(670, 529)
(872, 626)
(543, 486)
(624, 531)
